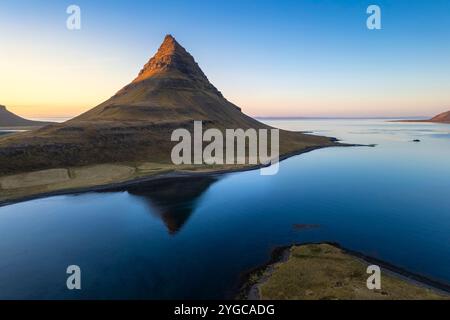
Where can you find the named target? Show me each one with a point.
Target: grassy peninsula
(325, 271)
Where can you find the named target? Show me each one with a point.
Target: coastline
(164, 175)
(252, 279)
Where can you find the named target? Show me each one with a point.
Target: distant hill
(135, 125)
(9, 119)
(443, 117)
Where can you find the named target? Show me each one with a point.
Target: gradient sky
(272, 58)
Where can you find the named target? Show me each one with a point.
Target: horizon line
(66, 118)
(336, 117)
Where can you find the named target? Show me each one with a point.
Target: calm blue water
(192, 238)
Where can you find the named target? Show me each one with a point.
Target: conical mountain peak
(171, 46)
(171, 61)
(170, 88)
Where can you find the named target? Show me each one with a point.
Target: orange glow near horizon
(42, 88)
(62, 91)
(40, 106)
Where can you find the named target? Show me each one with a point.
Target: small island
(325, 271)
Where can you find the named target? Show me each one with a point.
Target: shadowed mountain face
(443, 117)
(135, 125)
(173, 200)
(9, 119)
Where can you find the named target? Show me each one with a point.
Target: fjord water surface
(193, 237)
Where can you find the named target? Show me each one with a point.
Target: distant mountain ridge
(9, 119)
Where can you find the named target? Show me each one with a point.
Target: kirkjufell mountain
(170, 88)
(11, 120)
(135, 125)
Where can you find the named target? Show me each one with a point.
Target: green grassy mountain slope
(135, 124)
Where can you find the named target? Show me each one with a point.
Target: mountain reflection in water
(174, 199)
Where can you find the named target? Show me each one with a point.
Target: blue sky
(305, 58)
